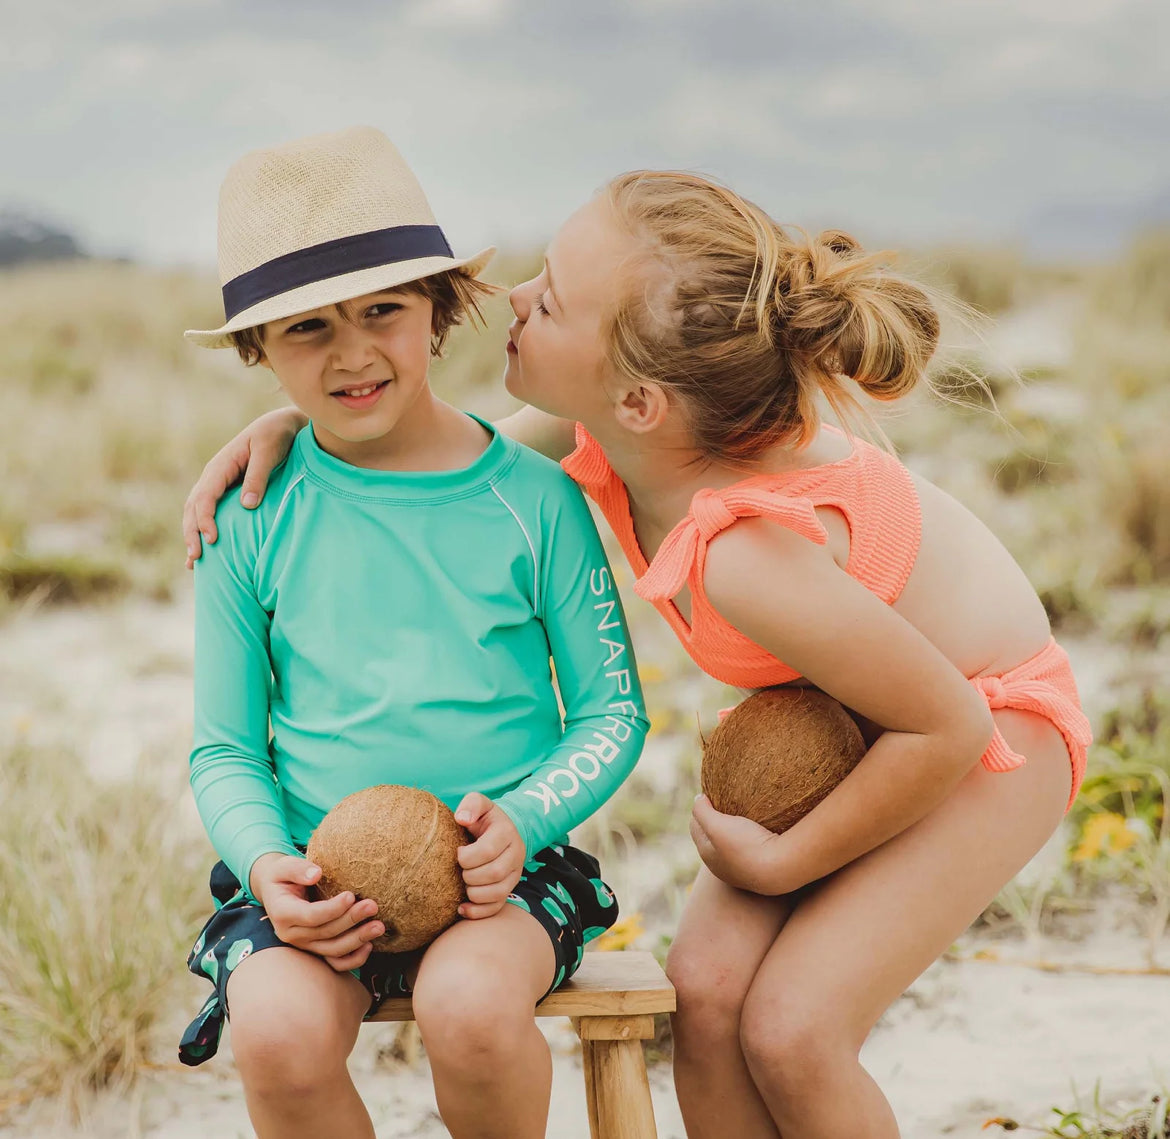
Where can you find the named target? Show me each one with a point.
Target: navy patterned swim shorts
(561, 887)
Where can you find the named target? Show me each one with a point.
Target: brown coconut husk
(778, 754)
(398, 846)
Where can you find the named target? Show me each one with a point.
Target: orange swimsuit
(876, 495)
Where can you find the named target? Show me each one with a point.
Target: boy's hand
(253, 453)
(493, 863)
(738, 851)
(338, 929)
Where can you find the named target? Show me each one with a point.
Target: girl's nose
(518, 299)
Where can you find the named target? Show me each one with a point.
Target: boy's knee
(282, 1057)
(286, 1042)
(466, 1024)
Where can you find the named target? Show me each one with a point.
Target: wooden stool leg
(587, 1062)
(616, 1085)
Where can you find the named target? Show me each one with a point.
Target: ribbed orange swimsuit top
(870, 488)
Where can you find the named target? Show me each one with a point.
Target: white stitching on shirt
(531, 548)
(284, 499)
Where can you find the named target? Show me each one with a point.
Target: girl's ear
(642, 409)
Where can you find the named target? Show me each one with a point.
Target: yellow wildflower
(1105, 833)
(622, 934)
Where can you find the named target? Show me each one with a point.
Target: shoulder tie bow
(712, 511)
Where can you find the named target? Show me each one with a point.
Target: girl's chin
(512, 383)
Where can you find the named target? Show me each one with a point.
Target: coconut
(778, 754)
(398, 846)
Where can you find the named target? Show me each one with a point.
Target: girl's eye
(539, 305)
(312, 325)
(384, 309)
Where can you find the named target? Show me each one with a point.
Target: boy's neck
(430, 436)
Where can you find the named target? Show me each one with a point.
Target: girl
(690, 339)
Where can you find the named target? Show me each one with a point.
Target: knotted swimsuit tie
(712, 511)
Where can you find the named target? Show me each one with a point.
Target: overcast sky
(1037, 121)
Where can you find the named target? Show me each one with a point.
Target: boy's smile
(361, 398)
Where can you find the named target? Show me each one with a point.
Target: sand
(974, 1037)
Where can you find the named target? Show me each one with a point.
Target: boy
(387, 615)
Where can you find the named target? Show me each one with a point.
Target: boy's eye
(539, 304)
(383, 309)
(313, 324)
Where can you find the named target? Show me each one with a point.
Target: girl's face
(357, 379)
(556, 346)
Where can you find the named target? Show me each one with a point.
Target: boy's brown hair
(455, 295)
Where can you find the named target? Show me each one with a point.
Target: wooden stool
(612, 1000)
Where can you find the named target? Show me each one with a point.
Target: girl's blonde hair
(748, 325)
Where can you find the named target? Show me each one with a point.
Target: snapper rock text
(585, 764)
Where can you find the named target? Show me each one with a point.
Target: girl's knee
(709, 993)
(787, 1040)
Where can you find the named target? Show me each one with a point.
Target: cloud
(915, 118)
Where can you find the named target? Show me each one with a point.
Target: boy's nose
(352, 351)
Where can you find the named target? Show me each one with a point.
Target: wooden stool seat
(611, 999)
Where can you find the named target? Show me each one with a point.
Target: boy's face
(355, 372)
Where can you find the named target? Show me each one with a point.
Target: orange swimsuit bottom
(876, 495)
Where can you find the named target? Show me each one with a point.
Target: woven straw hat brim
(334, 290)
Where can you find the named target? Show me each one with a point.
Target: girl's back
(966, 594)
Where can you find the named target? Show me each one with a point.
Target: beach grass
(101, 890)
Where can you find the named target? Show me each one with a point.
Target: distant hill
(24, 239)
(1094, 229)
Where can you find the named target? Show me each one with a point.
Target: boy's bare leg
(722, 938)
(294, 1021)
(473, 999)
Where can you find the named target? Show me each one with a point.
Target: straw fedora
(318, 221)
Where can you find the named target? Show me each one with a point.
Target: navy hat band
(332, 259)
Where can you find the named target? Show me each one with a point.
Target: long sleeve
(231, 771)
(605, 722)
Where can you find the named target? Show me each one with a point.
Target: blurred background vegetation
(109, 416)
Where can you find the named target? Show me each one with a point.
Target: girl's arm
(789, 596)
(542, 432)
(605, 719)
(261, 446)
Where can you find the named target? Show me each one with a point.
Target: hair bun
(839, 242)
(840, 311)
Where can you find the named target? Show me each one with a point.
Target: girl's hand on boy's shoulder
(740, 852)
(493, 863)
(253, 453)
(338, 929)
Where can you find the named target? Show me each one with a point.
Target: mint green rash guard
(363, 627)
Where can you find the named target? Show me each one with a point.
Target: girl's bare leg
(850, 949)
(477, 986)
(722, 938)
(294, 1022)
